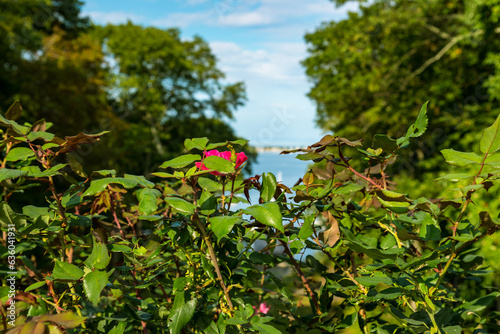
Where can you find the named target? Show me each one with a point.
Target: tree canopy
(151, 88)
(371, 72)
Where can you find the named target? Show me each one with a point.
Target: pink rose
(240, 159)
(263, 308)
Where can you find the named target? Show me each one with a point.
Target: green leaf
(93, 283)
(15, 111)
(370, 281)
(36, 285)
(268, 187)
(100, 185)
(19, 153)
(181, 205)
(490, 139)
(148, 200)
(429, 229)
(47, 136)
(493, 160)
(241, 142)
(456, 177)
(20, 129)
(267, 213)
(141, 180)
(49, 172)
(181, 312)
(480, 304)
(207, 184)
(198, 143)
(416, 129)
(7, 174)
(9, 217)
(265, 328)
(118, 329)
(421, 123)
(66, 271)
(453, 330)
(219, 164)
(307, 228)
(75, 165)
(99, 258)
(181, 161)
(222, 225)
(461, 159)
(356, 244)
(66, 319)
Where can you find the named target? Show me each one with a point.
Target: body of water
(287, 169)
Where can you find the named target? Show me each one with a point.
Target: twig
(302, 277)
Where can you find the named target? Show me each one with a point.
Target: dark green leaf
(181, 313)
(15, 111)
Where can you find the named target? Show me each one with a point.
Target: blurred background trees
(147, 85)
(371, 73)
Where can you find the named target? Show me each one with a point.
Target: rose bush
(339, 252)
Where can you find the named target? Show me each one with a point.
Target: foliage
(372, 71)
(87, 78)
(339, 251)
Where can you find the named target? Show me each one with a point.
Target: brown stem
(302, 277)
(115, 217)
(233, 179)
(346, 162)
(213, 258)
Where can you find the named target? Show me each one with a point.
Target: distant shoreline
(274, 149)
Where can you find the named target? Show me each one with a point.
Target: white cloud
(278, 62)
(256, 13)
(113, 17)
(254, 18)
(181, 20)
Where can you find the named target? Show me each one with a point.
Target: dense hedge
(341, 251)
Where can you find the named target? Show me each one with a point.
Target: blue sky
(259, 42)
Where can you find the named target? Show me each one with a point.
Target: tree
(373, 71)
(155, 91)
(165, 90)
(23, 26)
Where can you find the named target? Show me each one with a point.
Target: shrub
(342, 250)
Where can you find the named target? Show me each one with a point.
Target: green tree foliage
(23, 26)
(146, 85)
(165, 89)
(372, 71)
